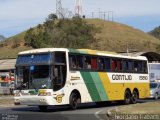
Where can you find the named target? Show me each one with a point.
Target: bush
(69, 33)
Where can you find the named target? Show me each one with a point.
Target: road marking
(97, 116)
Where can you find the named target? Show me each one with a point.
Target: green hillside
(115, 37)
(155, 32)
(112, 36)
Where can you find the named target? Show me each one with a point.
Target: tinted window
(138, 66)
(87, 62)
(60, 57)
(72, 61)
(127, 66)
(153, 85)
(145, 69)
(130, 65)
(94, 63)
(40, 71)
(33, 59)
(119, 65)
(79, 63)
(114, 65)
(101, 64)
(108, 64)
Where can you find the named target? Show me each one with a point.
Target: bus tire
(127, 97)
(134, 97)
(43, 108)
(73, 101)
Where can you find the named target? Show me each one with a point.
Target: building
(7, 69)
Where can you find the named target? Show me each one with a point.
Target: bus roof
(81, 51)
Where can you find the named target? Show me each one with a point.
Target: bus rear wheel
(74, 101)
(134, 97)
(127, 97)
(43, 108)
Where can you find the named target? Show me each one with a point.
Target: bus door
(26, 74)
(23, 74)
(59, 70)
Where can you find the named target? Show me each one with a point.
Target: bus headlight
(44, 94)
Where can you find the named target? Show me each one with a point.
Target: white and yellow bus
(60, 76)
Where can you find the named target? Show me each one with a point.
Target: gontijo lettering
(121, 77)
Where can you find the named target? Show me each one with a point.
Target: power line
(108, 15)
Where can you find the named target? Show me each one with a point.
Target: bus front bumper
(34, 100)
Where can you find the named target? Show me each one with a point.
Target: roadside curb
(109, 114)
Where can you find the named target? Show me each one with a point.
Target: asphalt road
(84, 112)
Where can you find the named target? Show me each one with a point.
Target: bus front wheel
(73, 101)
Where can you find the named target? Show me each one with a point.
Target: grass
(112, 36)
(8, 52)
(8, 49)
(115, 37)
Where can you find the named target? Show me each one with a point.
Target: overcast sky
(19, 15)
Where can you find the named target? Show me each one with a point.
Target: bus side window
(87, 62)
(94, 63)
(145, 69)
(124, 65)
(114, 65)
(139, 69)
(101, 64)
(119, 65)
(135, 66)
(79, 63)
(130, 65)
(107, 64)
(72, 61)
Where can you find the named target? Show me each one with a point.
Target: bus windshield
(34, 77)
(40, 77)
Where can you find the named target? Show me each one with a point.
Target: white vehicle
(155, 90)
(154, 72)
(59, 76)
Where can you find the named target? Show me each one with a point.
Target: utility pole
(78, 8)
(59, 9)
(104, 15)
(99, 11)
(111, 14)
(92, 15)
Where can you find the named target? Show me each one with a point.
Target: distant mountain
(2, 38)
(155, 32)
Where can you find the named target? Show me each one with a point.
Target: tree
(51, 17)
